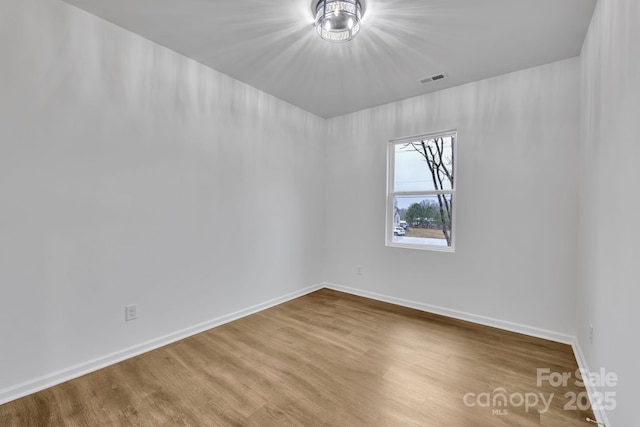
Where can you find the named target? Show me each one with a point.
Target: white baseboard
(600, 414)
(474, 318)
(37, 384)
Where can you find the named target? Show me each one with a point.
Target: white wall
(517, 199)
(130, 174)
(609, 279)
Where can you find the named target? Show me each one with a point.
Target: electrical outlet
(131, 312)
(591, 333)
(359, 270)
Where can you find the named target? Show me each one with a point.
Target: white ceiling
(273, 46)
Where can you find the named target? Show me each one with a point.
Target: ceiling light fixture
(338, 20)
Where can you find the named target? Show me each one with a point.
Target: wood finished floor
(325, 359)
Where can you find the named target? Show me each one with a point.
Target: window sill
(421, 247)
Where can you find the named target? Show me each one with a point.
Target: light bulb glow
(338, 20)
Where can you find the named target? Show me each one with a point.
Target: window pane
(424, 220)
(424, 165)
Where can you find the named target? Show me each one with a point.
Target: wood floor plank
(325, 359)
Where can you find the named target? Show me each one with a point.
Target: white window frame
(391, 193)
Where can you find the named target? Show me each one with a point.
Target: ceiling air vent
(431, 79)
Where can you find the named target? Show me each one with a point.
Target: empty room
(319, 212)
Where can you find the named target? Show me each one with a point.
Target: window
(421, 192)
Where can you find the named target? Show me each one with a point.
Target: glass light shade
(338, 20)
